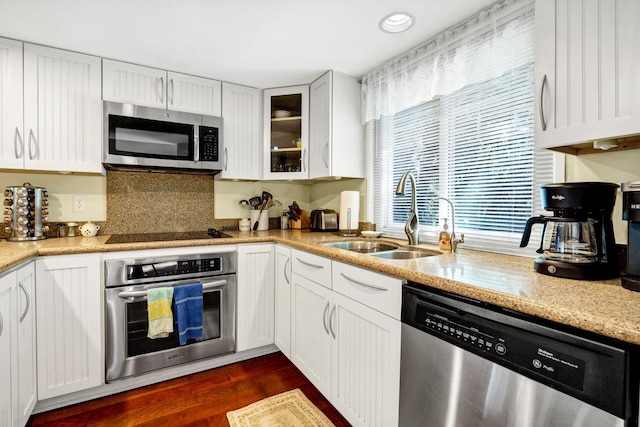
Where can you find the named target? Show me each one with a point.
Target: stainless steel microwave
(151, 138)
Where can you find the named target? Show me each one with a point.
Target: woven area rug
(290, 409)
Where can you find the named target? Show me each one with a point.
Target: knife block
(302, 223)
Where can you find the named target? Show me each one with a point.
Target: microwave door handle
(196, 143)
(205, 286)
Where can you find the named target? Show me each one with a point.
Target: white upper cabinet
(62, 110)
(194, 94)
(286, 133)
(135, 84)
(242, 158)
(52, 114)
(11, 105)
(336, 136)
(150, 87)
(587, 57)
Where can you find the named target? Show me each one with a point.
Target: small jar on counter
(244, 224)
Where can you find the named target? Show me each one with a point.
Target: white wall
(61, 189)
(616, 167)
(322, 194)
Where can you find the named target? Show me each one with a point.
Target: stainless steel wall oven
(128, 350)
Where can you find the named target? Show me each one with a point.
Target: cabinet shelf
(280, 150)
(286, 119)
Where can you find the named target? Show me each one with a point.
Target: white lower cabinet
(349, 346)
(365, 363)
(255, 313)
(17, 346)
(26, 330)
(69, 314)
(8, 351)
(310, 336)
(283, 299)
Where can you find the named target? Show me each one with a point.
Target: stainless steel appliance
(128, 350)
(324, 220)
(25, 213)
(631, 213)
(141, 137)
(578, 240)
(465, 363)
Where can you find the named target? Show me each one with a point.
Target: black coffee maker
(577, 241)
(631, 213)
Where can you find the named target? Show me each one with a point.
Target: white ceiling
(261, 43)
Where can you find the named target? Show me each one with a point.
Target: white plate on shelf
(279, 114)
(371, 234)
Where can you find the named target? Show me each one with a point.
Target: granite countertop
(603, 307)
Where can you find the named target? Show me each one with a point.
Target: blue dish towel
(188, 302)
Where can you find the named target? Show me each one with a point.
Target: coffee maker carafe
(631, 213)
(577, 241)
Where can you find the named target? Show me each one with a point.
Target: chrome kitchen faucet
(411, 227)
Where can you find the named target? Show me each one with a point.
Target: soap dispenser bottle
(444, 238)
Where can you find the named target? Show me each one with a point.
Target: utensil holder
(263, 225)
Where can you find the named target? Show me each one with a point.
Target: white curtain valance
(450, 61)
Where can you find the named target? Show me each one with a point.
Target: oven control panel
(172, 268)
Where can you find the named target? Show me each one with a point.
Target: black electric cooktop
(212, 233)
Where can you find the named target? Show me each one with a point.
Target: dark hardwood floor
(201, 399)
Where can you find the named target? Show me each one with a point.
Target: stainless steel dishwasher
(465, 363)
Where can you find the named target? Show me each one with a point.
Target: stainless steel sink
(405, 254)
(362, 246)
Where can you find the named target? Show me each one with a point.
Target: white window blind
(474, 146)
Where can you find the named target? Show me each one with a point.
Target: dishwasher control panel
(516, 347)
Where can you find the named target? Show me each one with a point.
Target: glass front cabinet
(286, 133)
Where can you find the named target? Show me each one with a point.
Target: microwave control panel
(209, 151)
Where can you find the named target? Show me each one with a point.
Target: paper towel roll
(349, 200)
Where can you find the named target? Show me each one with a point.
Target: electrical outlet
(79, 203)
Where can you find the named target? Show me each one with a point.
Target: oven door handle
(205, 286)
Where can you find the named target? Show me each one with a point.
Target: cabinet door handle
(1, 324)
(304, 160)
(285, 271)
(226, 158)
(161, 91)
(365, 285)
(325, 158)
(26, 294)
(324, 318)
(333, 311)
(17, 138)
(36, 149)
(170, 98)
(309, 264)
(542, 119)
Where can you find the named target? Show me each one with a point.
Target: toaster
(324, 220)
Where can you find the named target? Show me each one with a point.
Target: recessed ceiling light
(396, 22)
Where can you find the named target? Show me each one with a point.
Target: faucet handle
(455, 241)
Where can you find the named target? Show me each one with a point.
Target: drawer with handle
(375, 290)
(312, 267)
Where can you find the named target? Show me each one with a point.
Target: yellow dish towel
(159, 311)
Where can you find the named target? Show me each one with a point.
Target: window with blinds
(474, 147)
